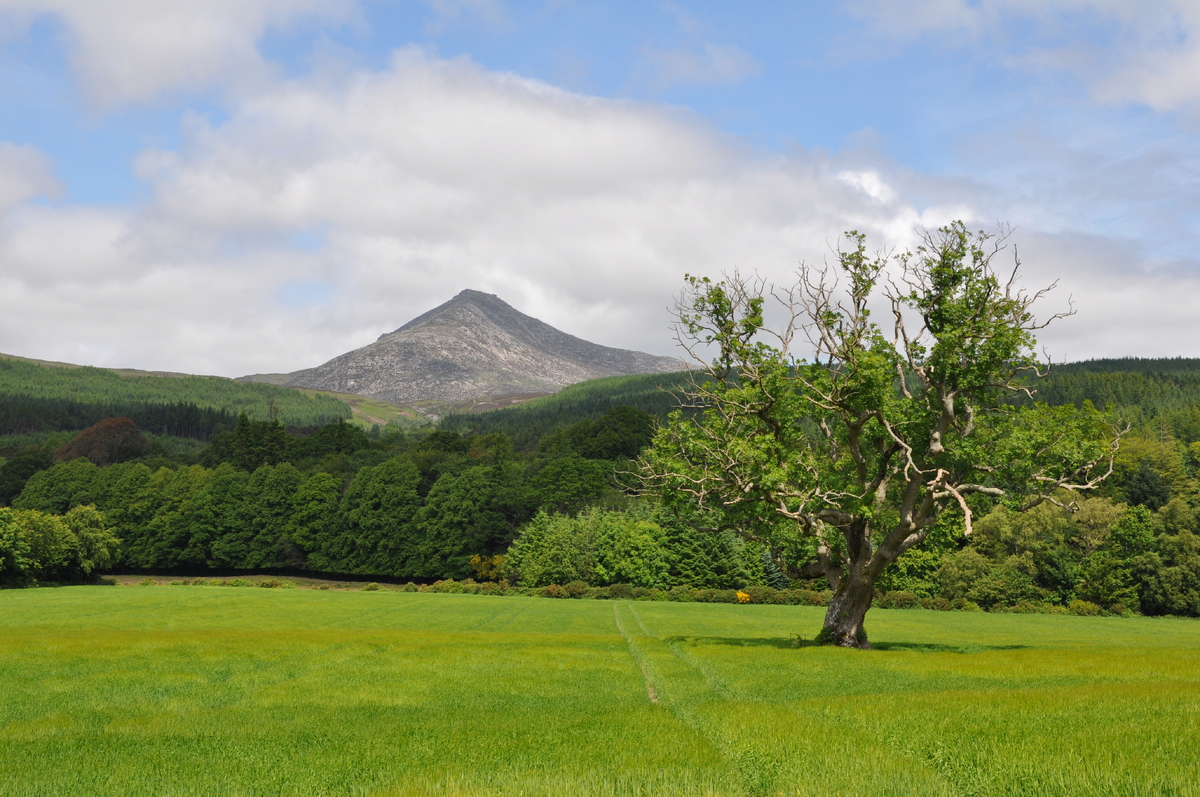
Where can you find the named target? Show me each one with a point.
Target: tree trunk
(847, 608)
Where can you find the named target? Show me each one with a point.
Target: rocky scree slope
(471, 347)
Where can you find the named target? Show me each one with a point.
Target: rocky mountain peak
(474, 346)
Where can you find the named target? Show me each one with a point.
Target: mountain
(471, 347)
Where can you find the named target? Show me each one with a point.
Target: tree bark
(849, 605)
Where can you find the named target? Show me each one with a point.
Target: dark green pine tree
(1147, 488)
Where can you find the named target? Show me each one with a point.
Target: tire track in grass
(757, 775)
(636, 654)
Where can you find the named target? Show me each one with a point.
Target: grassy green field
(175, 690)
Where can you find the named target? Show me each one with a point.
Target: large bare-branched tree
(841, 460)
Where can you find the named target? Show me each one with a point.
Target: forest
(542, 495)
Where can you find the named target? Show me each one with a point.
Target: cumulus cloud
(24, 173)
(325, 211)
(408, 185)
(134, 50)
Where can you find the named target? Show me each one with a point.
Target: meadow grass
(210, 690)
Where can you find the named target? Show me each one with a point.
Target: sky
(242, 186)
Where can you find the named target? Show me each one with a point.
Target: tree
(842, 461)
(106, 442)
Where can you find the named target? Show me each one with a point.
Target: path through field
(217, 690)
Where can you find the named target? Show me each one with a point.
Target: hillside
(38, 397)
(472, 347)
(527, 422)
(1140, 388)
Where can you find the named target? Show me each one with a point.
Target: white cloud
(424, 179)
(24, 173)
(406, 185)
(711, 64)
(134, 50)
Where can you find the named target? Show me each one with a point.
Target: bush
(620, 591)
(964, 605)
(554, 591)
(761, 595)
(742, 597)
(149, 582)
(1083, 608)
(410, 587)
(372, 587)
(276, 583)
(716, 596)
(239, 582)
(576, 589)
(941, 604)
(901, 599)
(598, 593)
(681, 594)
(321, 586)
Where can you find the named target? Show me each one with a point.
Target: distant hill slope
(1141, 388)
(37, 396)
(471, 347)
(526, 423)
(1151, 385)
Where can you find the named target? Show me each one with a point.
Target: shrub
(941, 604)
(372, 587)
(654, 595)
(321, 586)
(149, 582)
(902, 599)
(577, 589)
(640, 593)
(742, 597)
(276, 583)
(716, 596)
(825, 596)
(410, 587)
(1083, 608)
(176, 583)
(760, 595)
(964, 605)
(239, 582)
(620, 591)
(681, 594)
(554, 591)
(598, 593)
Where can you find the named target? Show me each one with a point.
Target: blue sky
(258, 185)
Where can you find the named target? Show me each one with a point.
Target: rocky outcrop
(473, 346)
